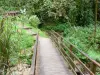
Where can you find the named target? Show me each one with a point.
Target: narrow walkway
(51, 62)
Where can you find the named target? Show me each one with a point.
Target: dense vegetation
(77, 12)
(15, 44)
(76, 19)
(81, 37)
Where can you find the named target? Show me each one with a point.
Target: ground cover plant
(15, 43)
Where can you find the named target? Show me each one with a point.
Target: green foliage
(82, 38)
(1, 11)
(84, 11)
(77, 12)
(26, 41)
(34, 21)
(73, 14)
(58, 27)
(7, 45)
(26, 56)
(12, 43)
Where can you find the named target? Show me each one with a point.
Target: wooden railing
(67, 50)
(34, 58)
(11, 13)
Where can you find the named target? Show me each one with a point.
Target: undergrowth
(32, 22)
(15, 44)
(81, 37)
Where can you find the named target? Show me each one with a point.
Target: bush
(1, 11)
(26, 41)
(8, 46)
(12, 42)
(58, 27)
(34, 21)
(82, 38)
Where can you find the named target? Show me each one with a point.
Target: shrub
(7, 45)
(1, 11)
(82, 38)
(34, 21)
(58, 27)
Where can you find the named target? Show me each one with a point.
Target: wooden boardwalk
(50, 60)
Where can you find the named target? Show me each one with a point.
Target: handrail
(55, 35)
(34, 58)
(96, 63)
(78, 60)
(67, 60)
(11, 13)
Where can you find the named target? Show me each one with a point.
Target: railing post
(93, 68)
(59, 43)
(71, 49)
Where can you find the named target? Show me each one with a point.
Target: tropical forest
(41, 37)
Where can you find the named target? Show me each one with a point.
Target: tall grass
(15, 44)
(7, 46)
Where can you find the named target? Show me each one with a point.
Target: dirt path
(51, 62)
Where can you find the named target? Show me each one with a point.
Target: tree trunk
(95, 26)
